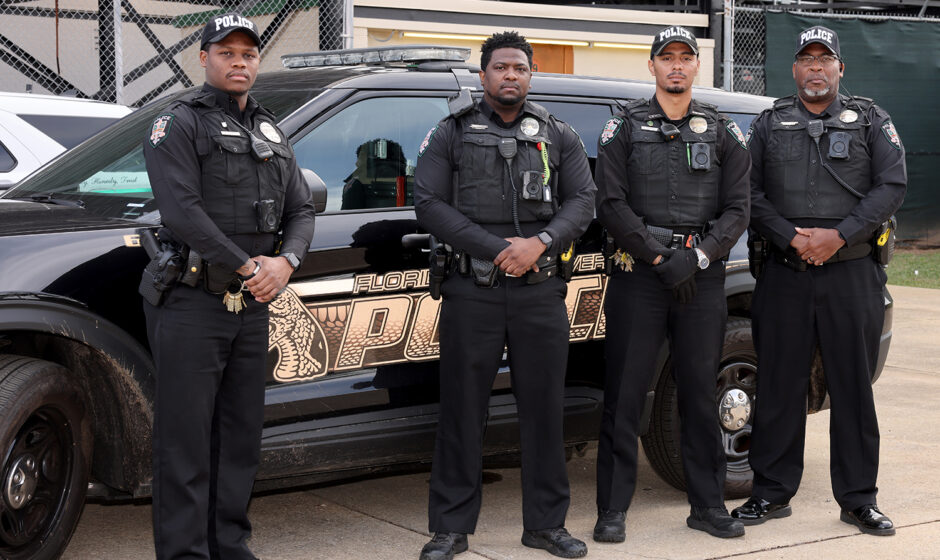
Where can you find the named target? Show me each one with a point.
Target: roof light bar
(376, 55)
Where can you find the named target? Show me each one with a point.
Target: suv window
(366, 153)
(585, 118)
(7, 161)
(68, 131)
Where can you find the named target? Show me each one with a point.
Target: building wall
(468, 22)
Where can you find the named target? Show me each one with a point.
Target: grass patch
(919, 268)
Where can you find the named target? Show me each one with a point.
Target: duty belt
(790, 259)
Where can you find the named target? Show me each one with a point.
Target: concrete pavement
(385, 518)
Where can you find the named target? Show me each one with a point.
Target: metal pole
(118, 55)
(348, 24)
(728, 45)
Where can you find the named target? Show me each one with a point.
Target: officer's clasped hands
(273, 274)
(520, 256)
(820, 244)
(678, 268)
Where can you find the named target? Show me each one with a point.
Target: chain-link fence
(750, 39)
(131, 51)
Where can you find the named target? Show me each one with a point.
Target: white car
(36, 128)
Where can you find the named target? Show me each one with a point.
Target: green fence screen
(897, 63)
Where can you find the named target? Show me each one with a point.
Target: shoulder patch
(891, 134)
(747, 137)
(611, 129)
(160, 129)
(736, 132)
(426, 141)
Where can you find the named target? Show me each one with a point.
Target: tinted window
(7, 161)
(585, 118)
(366, 153)
(744, 120)
(68, 131)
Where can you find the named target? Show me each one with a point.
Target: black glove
(685, 291)
(681, 266)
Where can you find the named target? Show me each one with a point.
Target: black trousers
(208, 415)
(840, 307)
(641, 313)
(475, 325)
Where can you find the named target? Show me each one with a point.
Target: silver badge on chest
(848, 116)
(270, 132)
(698, 125)
(529, 126)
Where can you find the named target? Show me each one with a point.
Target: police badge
(270, 132)
(848, 116)
(610, 130)
(529, 126)
(698, 125)
(160, 128)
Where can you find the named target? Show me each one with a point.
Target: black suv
(352, 363)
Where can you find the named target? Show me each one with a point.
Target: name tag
(230, 133)
(649, 128)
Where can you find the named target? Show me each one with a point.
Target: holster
(758, 249)
(566, 263)
(548, 267)
(163, 270)
(439, 264)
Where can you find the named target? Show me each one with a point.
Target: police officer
(828, 170)
(226, 182)
(673, 193)
(508, 186)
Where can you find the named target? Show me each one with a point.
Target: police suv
(352, 363)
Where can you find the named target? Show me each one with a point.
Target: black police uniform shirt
(644, 179)
(463, 150)
(206, 181)
(790, 186)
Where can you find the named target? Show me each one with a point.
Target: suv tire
(735, 390)
(45, 449)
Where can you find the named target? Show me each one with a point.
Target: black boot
(610, 526)
(715, 521)
(443, 546)
(869, 520)
(556, 541)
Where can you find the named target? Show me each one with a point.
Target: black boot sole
(845, 517)
(776, 514)
(713, 531)
(610, 538)
(542, 544)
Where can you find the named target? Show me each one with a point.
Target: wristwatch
(703, 261)
(294, 261)
(545, 238)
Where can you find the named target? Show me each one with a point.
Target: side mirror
(317, 189)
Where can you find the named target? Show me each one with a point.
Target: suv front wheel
(734, 408)
(45, 449)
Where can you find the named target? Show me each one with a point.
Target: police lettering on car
(238, 218)
(672, 193)
(827, 177)
(507, 223)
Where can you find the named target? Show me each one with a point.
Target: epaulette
(636, 105)
(461, 103)
(864, 103)
(784, 102)
(537, 110)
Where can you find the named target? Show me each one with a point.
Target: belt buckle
(678, 240)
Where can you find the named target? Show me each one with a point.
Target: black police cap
(219, 27)
(818, 34)
(672, 34)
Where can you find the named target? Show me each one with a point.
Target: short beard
(676, 89)
(509, 101)
(811, 94)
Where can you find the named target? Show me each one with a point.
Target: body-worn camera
(266, 211)
(532, 182)
(839, 145)
(700, 156)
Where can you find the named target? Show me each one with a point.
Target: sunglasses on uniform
(809, 60)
